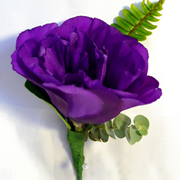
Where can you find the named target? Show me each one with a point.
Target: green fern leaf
(144, 7)
(148, 25)
(143, 31)
(137, 12)
(149, 4)
(137, 23)
(120, 29)
(134, 34)
(152, 18)
(156, 13)
(124, 24)
(130, 17)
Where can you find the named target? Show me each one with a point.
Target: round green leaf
(143, 130)
(134, 134)
(103, 135)
(109, 130)
(128, 137)
(91, 137)
(119, 133)
(141, 120)
(95, 133)
(121, 121)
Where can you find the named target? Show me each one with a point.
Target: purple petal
(123, 64)
(54, 63)
(57, 99)
(149, 92)
(151, 96)
(81, 23)
(150, 83)
(86, 106)
(144, 53)
(77, 79)
(28, 66)
(139, 47)
(129, 103)
(81, 51)
(101, 65)
(37, 33)
(23, 62)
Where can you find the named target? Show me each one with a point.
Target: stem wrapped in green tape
(76, 142)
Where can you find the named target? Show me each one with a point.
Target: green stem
(76, 142)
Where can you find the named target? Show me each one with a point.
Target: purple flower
(90, 70)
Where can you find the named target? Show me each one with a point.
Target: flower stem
(76, 142)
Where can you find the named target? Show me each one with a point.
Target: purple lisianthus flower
(90, 71)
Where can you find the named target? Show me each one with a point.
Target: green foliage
(120, 127)
(132, 134)
(142, 124)
(76, 143)
(120, 123)
(94, 133)
(41, 93)
(109, 129)
(97, 132)
(137, 23)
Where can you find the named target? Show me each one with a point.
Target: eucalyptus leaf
(128, 137)
(121, 121)
(142, 130)
(120, 133)
(132, 135)
(109, 129)
(92, 137)
(142, 124)
(103, 135)
(141, 120)
(95, 133)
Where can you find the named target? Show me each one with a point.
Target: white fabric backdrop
(33, 143)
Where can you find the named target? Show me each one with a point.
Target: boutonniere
(89, 72)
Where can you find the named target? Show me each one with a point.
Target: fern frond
(137, 23)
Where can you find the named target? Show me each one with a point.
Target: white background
(33, 143)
